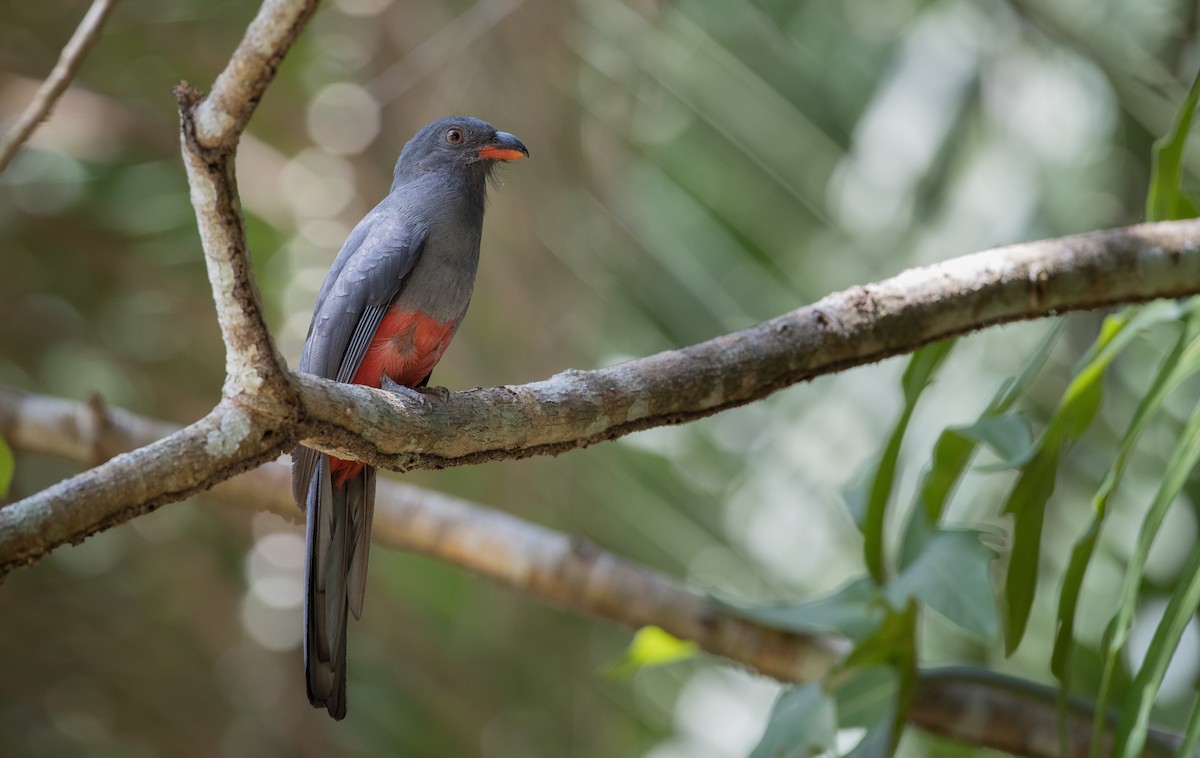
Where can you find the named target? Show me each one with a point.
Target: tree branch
(210, 129)
(553, 566)
(222, 116)
(191, 460)
(255, 420)
(845, 329)
(60, 78)
(578, 408)
(986, 709)
(967, 705)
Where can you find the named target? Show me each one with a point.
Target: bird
(386, 312)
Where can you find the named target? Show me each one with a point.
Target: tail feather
(338, 528)
(361, 504)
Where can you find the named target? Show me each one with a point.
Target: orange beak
(504, 147)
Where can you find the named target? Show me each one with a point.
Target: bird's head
(457, 143)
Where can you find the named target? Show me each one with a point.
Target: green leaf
(1027, 503)
(1164, 200)
(1130, 734)
(855, 611)
(953, 450)
(1183, 459)
(879, 741)
(652, 646)
(857, 495)
(879, 480)
(951, 576)
(866, 695)
(868, 692)
(1035, 484)
(1007, 435)
(802, 719)
(8, 467)
(1064, 638)
(1191, 738)
(893, 646)
(1015, 386)
(1181, 362)
(951, 453)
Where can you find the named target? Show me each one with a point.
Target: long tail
(339, 540)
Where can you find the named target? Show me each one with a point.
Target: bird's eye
(454, 136)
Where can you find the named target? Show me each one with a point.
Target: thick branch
(190, 460)
(850, 328)
(1019, 717)
(60, 78)
(210, 129)
(968, 705)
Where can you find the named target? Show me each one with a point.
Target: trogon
(392, 301)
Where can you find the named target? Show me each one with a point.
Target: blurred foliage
(696, 166)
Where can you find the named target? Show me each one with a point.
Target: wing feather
(364, 279)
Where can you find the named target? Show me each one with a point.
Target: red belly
(406, 347)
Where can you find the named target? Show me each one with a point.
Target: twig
(60, 78)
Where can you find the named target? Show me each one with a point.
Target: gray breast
(444, 276)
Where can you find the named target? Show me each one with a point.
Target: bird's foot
(440, 393)
(418, 395)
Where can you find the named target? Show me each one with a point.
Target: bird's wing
(366, 276)
(358, 290)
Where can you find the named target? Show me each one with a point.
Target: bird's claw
(441, 394)
(418, 395)
(388, 385)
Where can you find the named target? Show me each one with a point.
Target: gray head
(459, 145)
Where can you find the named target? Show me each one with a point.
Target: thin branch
(849, 328)
(210, 129)
(60, 78)
(968, 705)
(223, 115)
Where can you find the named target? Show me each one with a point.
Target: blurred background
(697, 166)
